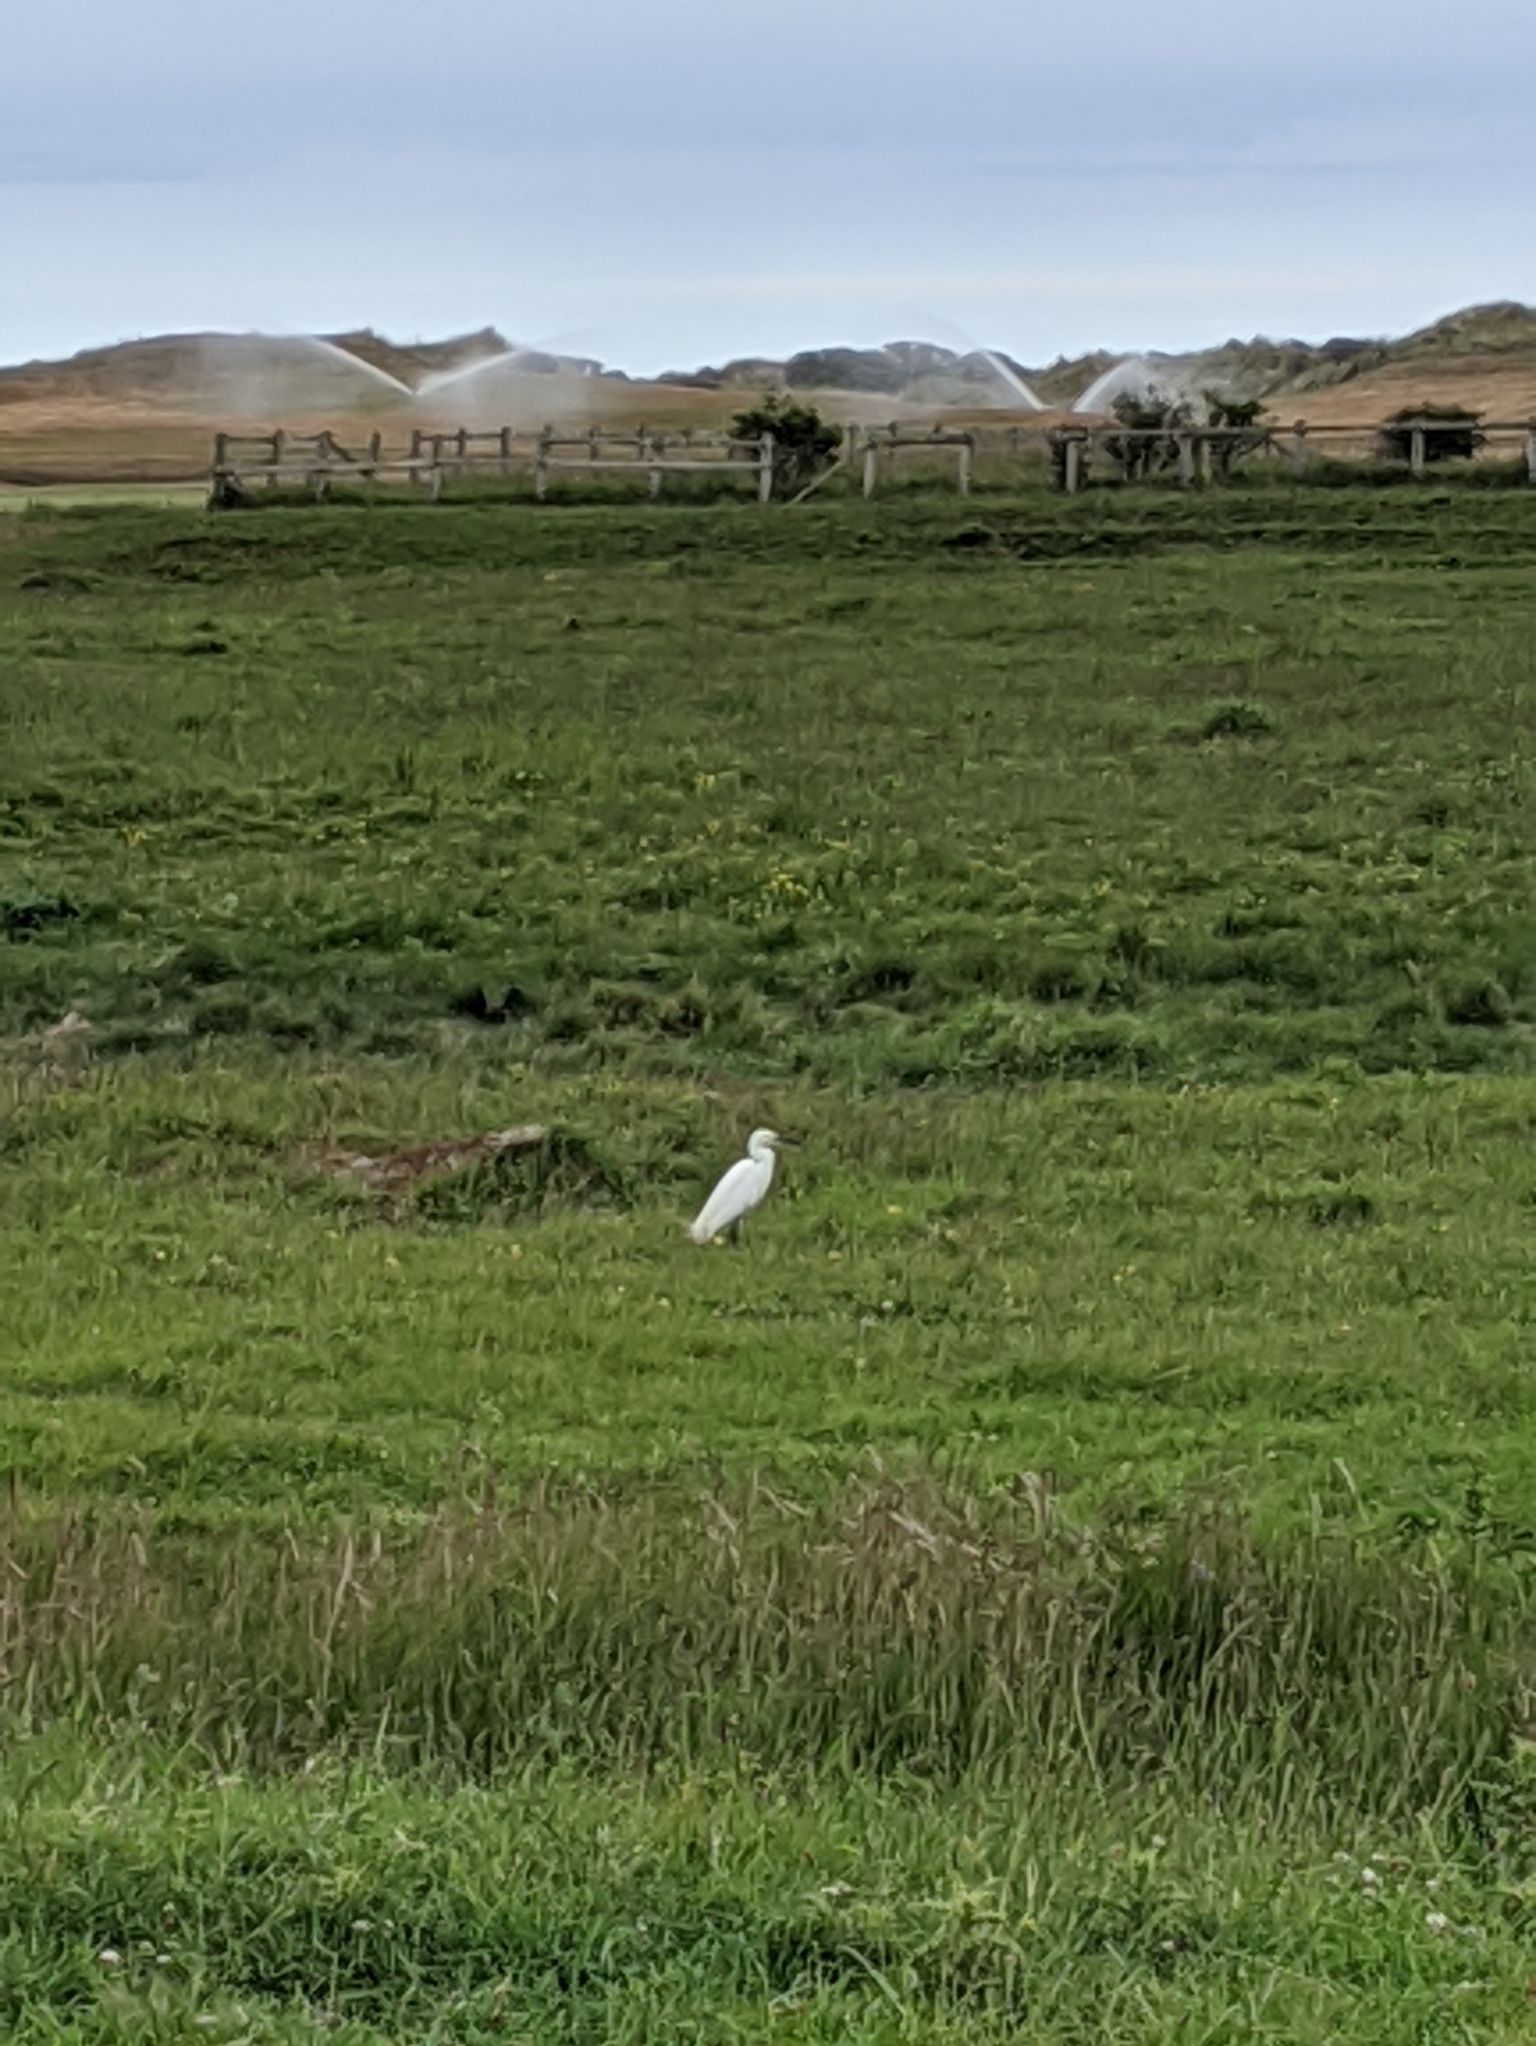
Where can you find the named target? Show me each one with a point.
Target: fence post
(765, 469)
(1072, 466)
(1530, 452)
(375, 450)
(1186, 443)
(541, 464)
(279, 443)
(871, 467)
(1299, 448)
(415, 471)
(965, 466)
(505, 446)
(1203, 456)
(1416, 448)
(651, 451)
(222, 483)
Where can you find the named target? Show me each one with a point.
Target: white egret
(741, 1188)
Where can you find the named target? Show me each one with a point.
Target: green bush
(804, 444)
(1149, 445)
(1242, 416)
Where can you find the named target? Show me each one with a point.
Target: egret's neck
(759, 1151)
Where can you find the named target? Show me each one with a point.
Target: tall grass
(892, 1628)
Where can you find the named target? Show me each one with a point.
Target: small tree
(1457, 434)
(803, 442)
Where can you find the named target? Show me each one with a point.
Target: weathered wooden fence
(1196, 454)
(656, 455)
(879, 447)
(318, 462)
(1069, 453)
(1189, 455)
(273, 459)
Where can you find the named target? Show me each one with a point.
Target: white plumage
(741, 1188)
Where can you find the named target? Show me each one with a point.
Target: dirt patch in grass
(490, 1176)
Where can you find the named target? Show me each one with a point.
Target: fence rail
(317, 462)
(1189, 455)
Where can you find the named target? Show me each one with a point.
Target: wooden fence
(318, 462)
(1189, 455)
(871, 447)
(1067, 452)
(1196, 454)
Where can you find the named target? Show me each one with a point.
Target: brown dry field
(57, 440)
(60, 438)
(1504, 392)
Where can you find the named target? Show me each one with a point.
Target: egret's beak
(794, 1143)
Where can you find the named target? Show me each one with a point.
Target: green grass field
(1066, 1576)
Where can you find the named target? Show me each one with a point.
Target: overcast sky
(664, 182)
